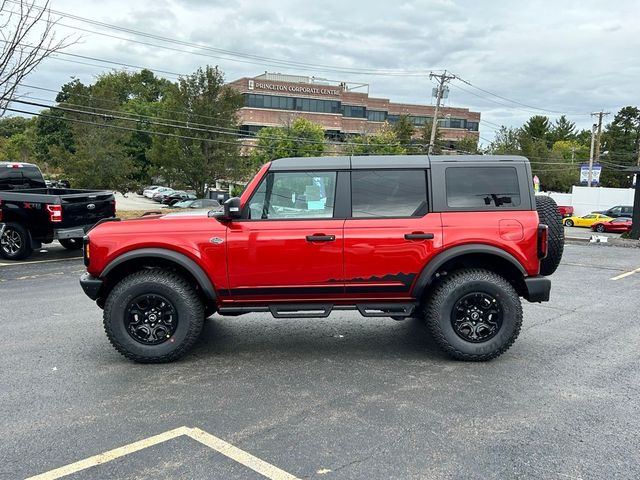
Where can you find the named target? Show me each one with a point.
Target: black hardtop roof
(385, 161)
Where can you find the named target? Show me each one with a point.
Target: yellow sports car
(585, 220)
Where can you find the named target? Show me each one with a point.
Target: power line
(520, 103)
(258, 59)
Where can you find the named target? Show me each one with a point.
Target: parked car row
(599, 223)
(199, 203)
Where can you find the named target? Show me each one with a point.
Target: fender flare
(424, 279)
(185, 262)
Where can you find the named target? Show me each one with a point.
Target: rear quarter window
(482, 187)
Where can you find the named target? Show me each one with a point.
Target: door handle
(418, 236)
(320, 237)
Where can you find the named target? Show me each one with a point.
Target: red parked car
(618, 225)
(565, 211)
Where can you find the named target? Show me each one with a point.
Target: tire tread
(439, 296)
(182, 288)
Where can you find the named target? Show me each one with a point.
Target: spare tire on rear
(549, 214)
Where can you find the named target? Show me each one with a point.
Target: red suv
(454, 240)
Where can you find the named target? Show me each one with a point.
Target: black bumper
(538, 289)
(90, 285)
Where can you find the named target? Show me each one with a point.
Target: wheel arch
(471, 256)
(136, 260)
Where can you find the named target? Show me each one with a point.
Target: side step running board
(306, 310)
(386, 309)
(300, 311)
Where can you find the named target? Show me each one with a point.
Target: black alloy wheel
(477, 317)
(151, 319)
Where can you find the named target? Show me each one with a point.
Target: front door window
(294, 195)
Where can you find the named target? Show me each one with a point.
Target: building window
(393, 118)
(388, 193)
(354, 111)
(482, 187)
(376, 115)
(472, 126)
(291, 103)
(250, 130)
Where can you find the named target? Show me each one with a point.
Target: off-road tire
(439, 310)
(71, 243)
(15, 230)
(549, 214)
(174, 288)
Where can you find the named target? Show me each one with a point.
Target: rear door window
(482, 187)
(388, 193)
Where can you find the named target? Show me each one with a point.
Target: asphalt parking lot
(343, 397)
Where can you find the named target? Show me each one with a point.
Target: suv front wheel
(474, 315)
(153, 316)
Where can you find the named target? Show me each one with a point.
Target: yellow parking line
(110, 455)
(625, 274)
(234, 453)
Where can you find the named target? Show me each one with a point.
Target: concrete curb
(611, 242)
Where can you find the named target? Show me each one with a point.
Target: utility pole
(595, 154)
(593, 140)
(443, 79)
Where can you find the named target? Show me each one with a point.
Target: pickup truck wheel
(153, 316)
(15, 243)
(71, 243)
(474, 315)
(549, 214)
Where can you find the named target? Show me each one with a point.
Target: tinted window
(480, 187)
(291, 195)
(388, 193)
(621, 220)
(22, 177)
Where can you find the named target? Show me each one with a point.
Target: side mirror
(232, 210)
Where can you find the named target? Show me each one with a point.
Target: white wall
(585, 200)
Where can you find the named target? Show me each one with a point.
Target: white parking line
(39, 261)
(625, 274)
(234, 453)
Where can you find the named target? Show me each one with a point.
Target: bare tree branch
(27, 38)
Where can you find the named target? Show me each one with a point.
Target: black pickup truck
(32, 214)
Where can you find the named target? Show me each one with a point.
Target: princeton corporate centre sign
(276, 87)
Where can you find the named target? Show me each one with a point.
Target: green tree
(468, 145)
(404, 130)
(210, 154)
(12, 125)
(537, 127)
(383, 142)
(505, 142)
(302, 138)
(621, 139)
(562, 129)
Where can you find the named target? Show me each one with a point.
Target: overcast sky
(565, 56)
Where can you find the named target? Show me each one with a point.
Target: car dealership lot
(343, 397)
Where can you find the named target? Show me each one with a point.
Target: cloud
(572, 57)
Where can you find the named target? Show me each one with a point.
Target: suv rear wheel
(474, 315)
(153, 316)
